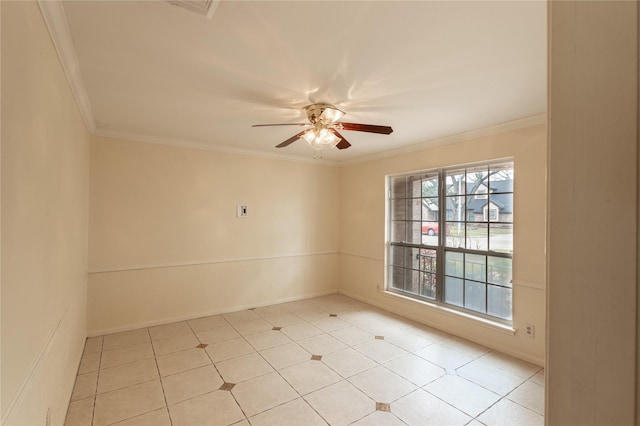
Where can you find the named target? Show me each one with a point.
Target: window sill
(483, 322)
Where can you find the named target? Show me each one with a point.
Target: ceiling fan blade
(291, 140)
(283, 124)
(385, 130)
(343, 144)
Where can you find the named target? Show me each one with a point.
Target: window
(468, 264)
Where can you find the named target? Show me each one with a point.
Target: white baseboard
(128, 327)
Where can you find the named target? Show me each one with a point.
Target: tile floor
(328, 360)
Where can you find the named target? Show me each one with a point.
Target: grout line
(155, 360)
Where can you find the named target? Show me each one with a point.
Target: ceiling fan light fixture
(332, 115)
(320, 137)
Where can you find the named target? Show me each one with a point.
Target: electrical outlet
(242, 210)
(530, 330)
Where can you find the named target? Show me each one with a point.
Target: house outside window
(451, 237)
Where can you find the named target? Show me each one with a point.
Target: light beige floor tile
(129, 402)
(309, 376)
(80, 413)
(243, 368)
(126, 375)
(382, 385)
(330, 324)
(463, 394)
(490, 377)
(271, 310)
(247, 328)
(510, 364)
(244, 422)
(422, 408)
(348, 362)
(379, 328)
(379, 418)
(301, 331)
(474, 422)
(229, 349)
(341, 403)
(529, 395)
(218, 334)
(283, 319)
(285, 356)
(321, 344)
(428, 333)
(125, 338)
(352, 335)
(464, 346)
(311, 314)
(444, 356)
(126, 355)
(240, 316)
(206, 323)
(380, 351)
(268, 339)
(85, 386)
(415, 369)
(538, 378)
(182, 361)
(93, 345)
(191, 383)
(296, 412)
(263, 393)
(507, 413)
(408, 341)
(175, 344)
(154, 418)
(212, 409)
(169, 330)
(89, 363)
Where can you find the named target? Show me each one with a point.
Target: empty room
(300, 213)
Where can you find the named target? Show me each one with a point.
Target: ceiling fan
(324, 126)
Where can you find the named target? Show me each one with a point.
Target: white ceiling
(429, 69)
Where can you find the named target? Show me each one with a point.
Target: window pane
(414, 209)
(455, 182)
(398, 186)
(499, 302)
(414, 232)
(399, 209)
(501, 177)
(412, 281)
(474, 296)
(427, 260)
(475, 267)
(414, 258)
(503, 205)
(397, 255)
(398, 231)
(453, 291)
(499, 271)
(477, 236)
(430, 185)
(455, 235)
(397, 277)
(414, 185)
(454, 264)
(501, 238)
(430, 209)
(456, 209)
(476, 206)
(428, 288)
(477, 180)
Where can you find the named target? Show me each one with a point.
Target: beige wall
(165, 243)
(45, 199)
(363, 235)
(593, 167)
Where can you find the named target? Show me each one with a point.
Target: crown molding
(207, 147)
(521, 123)
(56, 21)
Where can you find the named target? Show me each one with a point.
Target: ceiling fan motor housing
(323, 114)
